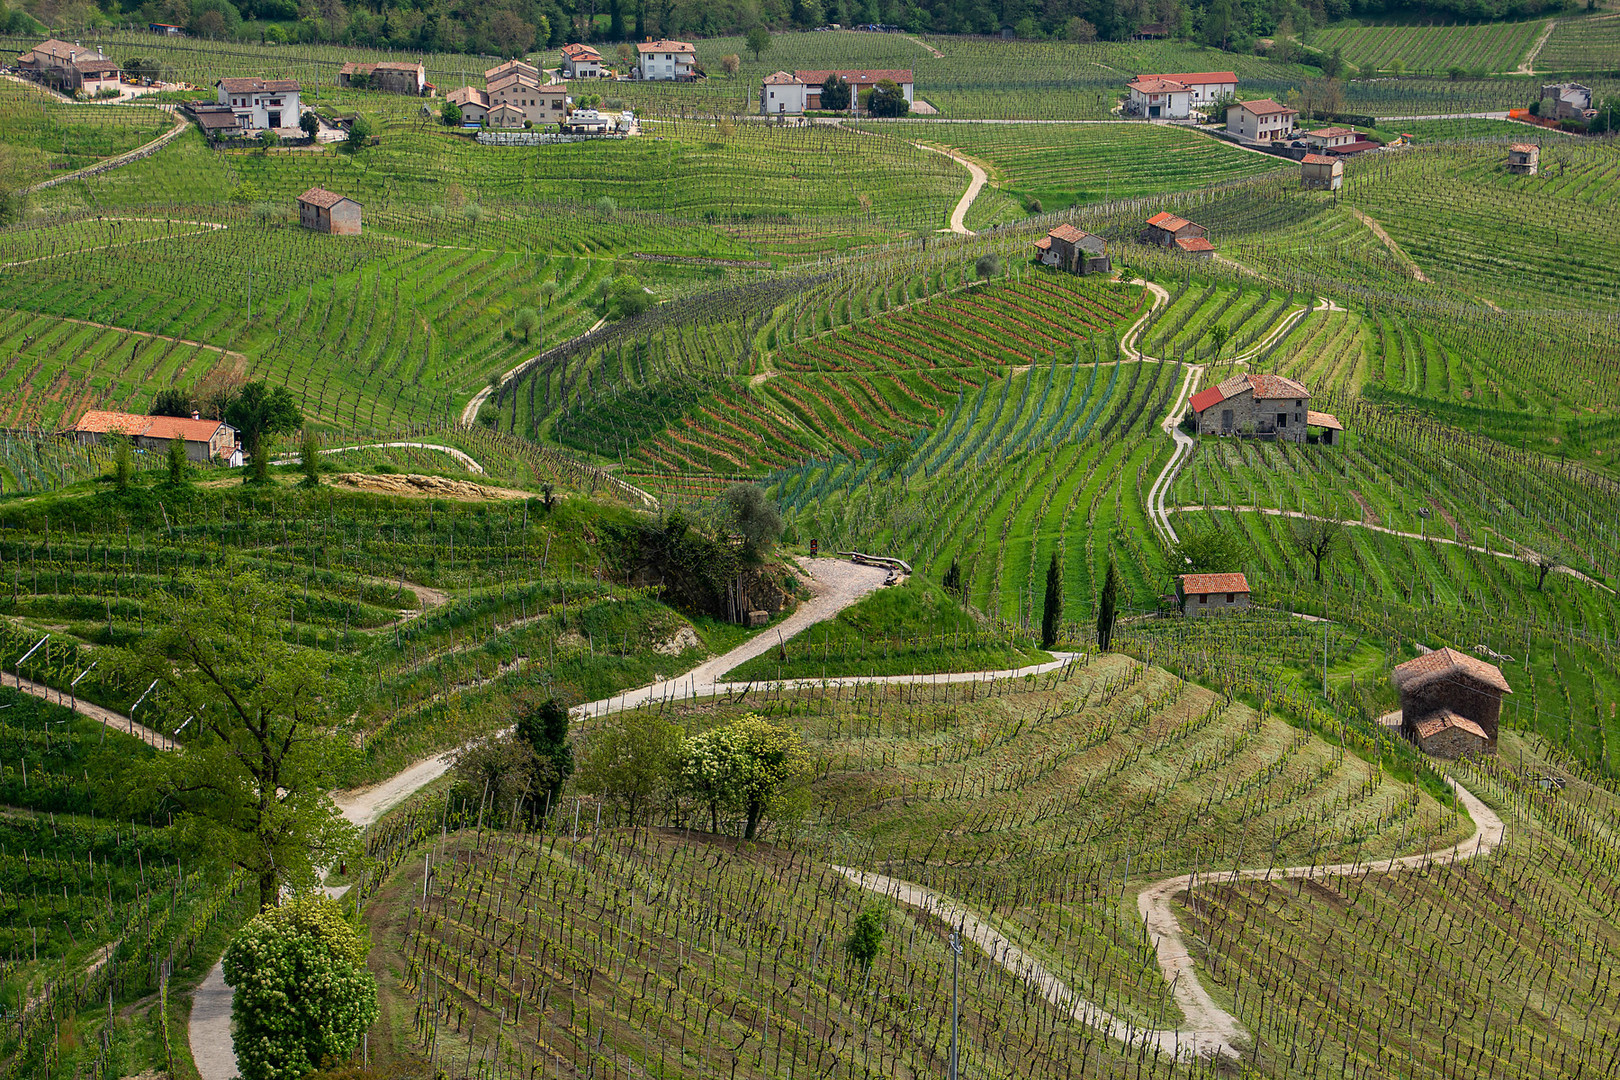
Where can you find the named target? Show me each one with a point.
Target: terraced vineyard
(46, 137)
(1483, 48)
(1581, 45)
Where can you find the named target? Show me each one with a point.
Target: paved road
(1207, 1029)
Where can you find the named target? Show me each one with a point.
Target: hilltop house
(1524, 159)
(389, 77)
(206, 440)
(664, 61)
(1451, 703)
(1320, 172)
(71, 67)
(328, 212)
(1261, 121)
(1565, 101)
(1249, 404)
(1071, 249)
(793, 93)
(1169, 231)
(1159, 99)
(1205, 594)
(472, 102)
(261, 103)
(1203, 87)
(581, 62)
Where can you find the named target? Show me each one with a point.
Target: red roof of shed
(1204, 584)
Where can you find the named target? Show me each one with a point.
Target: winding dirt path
(88, 709)
(1389, 242)
(470, 413)
(1528, 67)
(459, 455)
(975, 185)
(1207, 1029)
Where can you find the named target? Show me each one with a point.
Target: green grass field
(1482, 48)
(44, 137)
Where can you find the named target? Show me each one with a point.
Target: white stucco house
(1203, 87)
(664, 60)
(1261, 121)
(791, 93)
(261, 103)
(1159, 99)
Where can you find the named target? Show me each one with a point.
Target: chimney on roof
(195, 415)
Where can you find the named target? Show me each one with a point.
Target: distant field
(1490, 47)
(47, 137)
(1067, 165)
(1582, 45)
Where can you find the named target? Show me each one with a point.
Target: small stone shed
(1165, 228)
(1524, 159)
(328, 212)
(1069, 248)
(1206, 594)
(1451, 703)
(1319, 172)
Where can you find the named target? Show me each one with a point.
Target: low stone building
(390, 77)
(1249, 404)
(1327, 424)
(1165, 228)
(1524, 159)
(1565, 101)
(1319, 172)
(206, 440)
(1451, 703)
(1074, 250)
(71, 67)
(1205, 594)
(328, 212)
(1197, 247)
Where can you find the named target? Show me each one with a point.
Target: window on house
(1228, 598)
(1282, 419)
(1202, 599)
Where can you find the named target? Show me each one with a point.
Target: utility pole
(956, 960)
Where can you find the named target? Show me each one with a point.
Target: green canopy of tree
(865, 939)
(633, 758)
(543, 725)
(835, 93)
(888, 100)
(259, 412)
(1208, 550)
(259, 759)
(1108, 607)
(758, 40)
(450, 114)
(750, 766)
(753, 517)
(1052, 610)
(171, 401)
(301, 991)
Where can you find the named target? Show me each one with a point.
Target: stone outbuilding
(1451, 703)
(1326, 424)
(1074, 250)
(1248, 404)
(1205, 594)
(206, 440)
(1565, 101)
(1165, 228)
(389, 77)
(1524, 159)
(328, 212)
(1319, 172)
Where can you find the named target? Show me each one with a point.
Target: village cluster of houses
(71, 68)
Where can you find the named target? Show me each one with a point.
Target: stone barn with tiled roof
(1249, 404)
(328, 212)
(1204, 594)
(1451, 703)
(1074, 250)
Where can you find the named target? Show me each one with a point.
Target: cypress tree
(1052, 614)
(1106, 608)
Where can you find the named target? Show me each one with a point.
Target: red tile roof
(580, 52)
(1194, 243)
(781, 78)
(319, 196)
(1200, 77)
(1068, 233)
(468, 95)
(259, 86)
(856, 76)
(1266, 107)
(1275, 386)
(105, 422)
(1333, 132)
(1523, 148)
(511, 66)
(1354, 148)
(1044, 244)
(1207, 397)
(1317, 159)
(1205, 584)
(1158, 86)
(1435, 723)
(1169, 222)
(1444, 664)
(1322, 419)
(663, 45)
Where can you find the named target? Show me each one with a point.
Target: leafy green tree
(1107, 607)
(310, 124)
(1318, 538)
(987, 265)
(754, 517)
(1219, 335)
(260, 412)
(501, 772)
(631, 758)
(525, 320)
(1211, 550)
(360, 132)
(268, 140)
(750, 766)
(758, 40)
(835, 93)
(543, 725)
(865, 939)
(252, 781)
(301, 989)
(1052, 610)
(953, 577)
(171, 401)
(625, 297)
(176, 459)
(888, 100)
(450, 114)
(309, 458)
(123, 462)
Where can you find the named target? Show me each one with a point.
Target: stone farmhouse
(389, 77)
(581, 62)
(1169, 231)
(1524, 159)
(1250, 404)
(1206, 594)
(1203, 87)
(1565, 101)
(1321, 172)
(206, 440)
(794, 93)
(665, 61)
(328, 212)
(1261, 121)
(71, 67)
(1451, 703)
(1159, 99)
(1071, 249)
(472, 102)
(261, 103)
